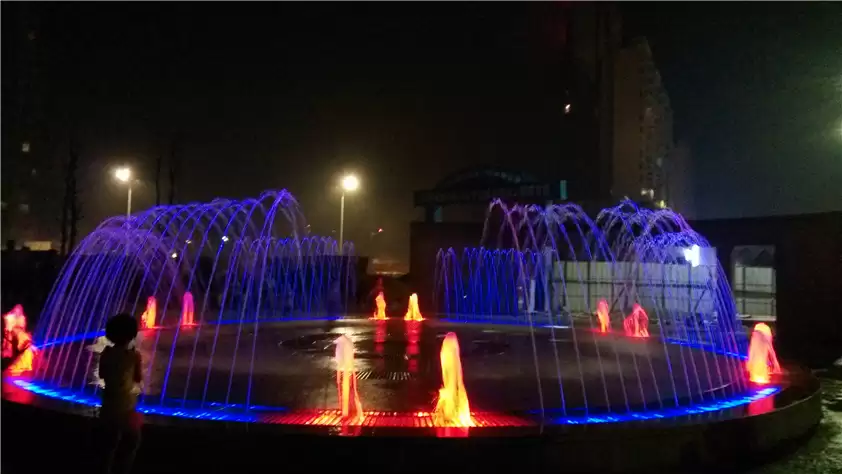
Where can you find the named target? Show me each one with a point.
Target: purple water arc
(244, 261)
(548, 267)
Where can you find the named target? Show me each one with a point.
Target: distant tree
(173, 167)
(159, 161)
(75, 205)
(71, 208)
(65, 209)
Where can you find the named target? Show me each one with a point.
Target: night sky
(290, 95)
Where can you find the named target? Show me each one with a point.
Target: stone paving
(822, 453)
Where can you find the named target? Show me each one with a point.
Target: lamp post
(124, 174)
(349, 183)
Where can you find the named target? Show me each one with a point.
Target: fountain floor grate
(383, 375)
(389, 419)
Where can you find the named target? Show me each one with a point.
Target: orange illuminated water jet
(17, 343)
(452, 407)
(412, 311)
(380, 303)
(602, 315)
(147, 319)
(11, 320)
(346, 379)
(762, 360)
(187, 310)
(637, 323)
(26, 352)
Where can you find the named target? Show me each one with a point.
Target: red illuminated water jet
(380, 303)
(346, 380)
(187, 310)
(637, 323)
(412, 311)
(147, 319)
(17, 343)
(452, 407)
(602, 315)
(762, 360)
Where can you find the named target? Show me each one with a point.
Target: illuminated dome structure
(239, 264)
(670, 339)
(557, 321)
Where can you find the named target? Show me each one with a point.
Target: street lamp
(350, 183)
(124, 175)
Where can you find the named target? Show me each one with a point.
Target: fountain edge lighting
(279, 415)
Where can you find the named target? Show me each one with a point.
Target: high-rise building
(594, 36)
(27, 190)
(643, 126)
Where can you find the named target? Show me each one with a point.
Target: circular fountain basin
(588, 388)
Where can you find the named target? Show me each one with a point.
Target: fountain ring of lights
(418, 416)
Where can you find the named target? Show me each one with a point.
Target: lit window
(24, 208)
(24, 147)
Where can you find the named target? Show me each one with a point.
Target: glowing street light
(124, 175)
(349, 183)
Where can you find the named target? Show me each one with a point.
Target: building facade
(643, 126)
(29, 173)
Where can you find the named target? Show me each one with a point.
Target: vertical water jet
(11, 320)
(452, 407)
(346, 379)
(380, 303)
(412, 311)
(637, 323)
(602, 316)
(147, 319)
(187, 310)
(762, 360)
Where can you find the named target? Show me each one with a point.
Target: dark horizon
(291, 95)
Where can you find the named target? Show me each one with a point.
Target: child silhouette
(120, 370)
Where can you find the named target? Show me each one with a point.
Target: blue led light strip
(669, 412)
(236, 413)
(219, 413)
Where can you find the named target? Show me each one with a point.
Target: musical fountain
(555, 323)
